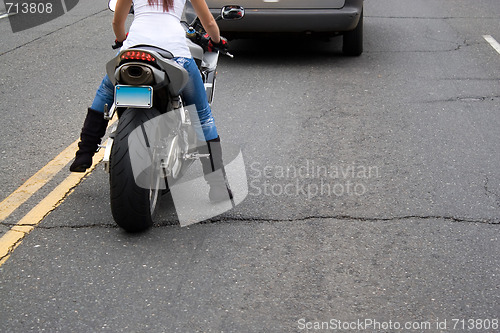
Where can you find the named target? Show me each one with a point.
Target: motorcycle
(154, 141)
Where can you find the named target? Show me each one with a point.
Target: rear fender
(176, 74)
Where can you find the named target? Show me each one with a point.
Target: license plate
(133, 96)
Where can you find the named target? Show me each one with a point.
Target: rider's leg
(94, 127)
(201, 115)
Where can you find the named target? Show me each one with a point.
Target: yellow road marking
(39, 179)
(12, 238)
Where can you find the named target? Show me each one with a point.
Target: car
(316, 17)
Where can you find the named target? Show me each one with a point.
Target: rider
(157, 23)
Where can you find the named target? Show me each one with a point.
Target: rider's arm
(207, 19)
(121, 12)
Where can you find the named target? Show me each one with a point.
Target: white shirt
(153, 26)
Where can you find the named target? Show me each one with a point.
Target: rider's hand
(118, 44)
(222, 45)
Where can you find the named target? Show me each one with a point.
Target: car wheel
(353, 40)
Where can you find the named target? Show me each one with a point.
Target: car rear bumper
(295, 20)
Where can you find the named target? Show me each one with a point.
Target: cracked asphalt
(374, 187)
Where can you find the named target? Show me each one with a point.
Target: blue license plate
(133, 96)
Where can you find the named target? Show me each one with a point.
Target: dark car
(319, 17)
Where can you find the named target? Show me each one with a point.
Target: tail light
(137, 67)
(137, 55)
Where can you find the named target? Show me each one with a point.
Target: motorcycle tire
(133, 207)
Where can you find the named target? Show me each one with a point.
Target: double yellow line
(12, 238)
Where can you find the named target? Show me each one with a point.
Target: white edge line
(4, 16)
(492, 42)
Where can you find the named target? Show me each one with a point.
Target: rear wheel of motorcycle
(133, 206)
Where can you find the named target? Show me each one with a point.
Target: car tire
(353, 40)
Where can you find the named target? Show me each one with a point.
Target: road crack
(360, 219)
(466, 99)
(243, 219)
(81, 226)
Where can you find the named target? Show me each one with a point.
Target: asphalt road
(374, 187)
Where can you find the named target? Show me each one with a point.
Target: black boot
(213, 170)
(94, 128)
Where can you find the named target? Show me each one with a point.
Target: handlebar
(197, 35)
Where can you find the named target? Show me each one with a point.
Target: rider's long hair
(167, 4)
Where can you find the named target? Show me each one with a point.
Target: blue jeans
(192, 94)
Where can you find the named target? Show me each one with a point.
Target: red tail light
(137, 55)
